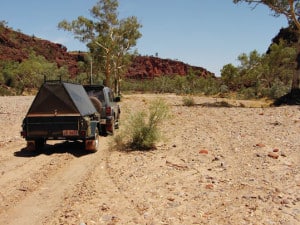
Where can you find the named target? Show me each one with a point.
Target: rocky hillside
(149, 67)
(17, 46)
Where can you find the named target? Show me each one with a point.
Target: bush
(247, 93)
(142, 130)
(277, 91)
(188, 101)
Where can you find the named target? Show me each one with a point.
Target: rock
(260, 145)
(215, 159)
(203, 151)
(283, 154)
(209, 186)
(15, 50)
(149, 67)
(273, 155)
(284, 202)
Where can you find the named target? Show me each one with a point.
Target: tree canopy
(108, 37)
(291, 10)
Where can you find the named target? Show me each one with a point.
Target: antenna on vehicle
(91, 76)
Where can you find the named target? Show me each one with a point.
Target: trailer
(61, 111)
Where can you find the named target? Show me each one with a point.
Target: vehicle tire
(112, 128)
(103, 130)
(93, 145)
(39, 144)
(97, 103)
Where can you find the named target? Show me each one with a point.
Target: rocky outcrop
(16, 46)
(148, 67)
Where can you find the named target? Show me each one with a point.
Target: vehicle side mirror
(117, 99)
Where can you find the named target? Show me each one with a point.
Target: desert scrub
(141, 131)
(188, 101)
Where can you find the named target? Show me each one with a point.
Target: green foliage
(142, 130)
(108, 37)
(289, 9)
(266, 75)
(29, 74)
(230, 75)
(188, 101)
(174, 84)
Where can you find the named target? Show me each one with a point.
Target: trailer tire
(39, 144)
(93, 145)
(36, 145)
(103, 130)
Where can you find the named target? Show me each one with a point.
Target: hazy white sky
(206, 33)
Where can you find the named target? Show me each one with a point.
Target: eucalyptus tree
(291, 10)
(108, 38)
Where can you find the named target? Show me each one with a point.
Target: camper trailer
(61, 111)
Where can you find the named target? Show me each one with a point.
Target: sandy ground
(215, 165)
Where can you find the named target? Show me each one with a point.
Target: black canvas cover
(62, 98)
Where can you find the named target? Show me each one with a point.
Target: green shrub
(277, 91)
(188, 101)
(142, 130)
(247, 93)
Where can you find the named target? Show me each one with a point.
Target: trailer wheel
(36, 145)
(103, 130)
(39, 144)
(93, 144)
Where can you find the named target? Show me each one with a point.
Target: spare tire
(97, 103)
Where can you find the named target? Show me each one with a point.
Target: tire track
(25, 188)
(96, 197)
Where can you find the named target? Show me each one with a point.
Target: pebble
(203, 151)
(273, 155)
(261, 145)
(209, 186)
(283, 154)
(285, 202)
(258, 155)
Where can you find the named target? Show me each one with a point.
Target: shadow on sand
(75, 148)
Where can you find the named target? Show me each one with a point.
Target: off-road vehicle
(107, 105)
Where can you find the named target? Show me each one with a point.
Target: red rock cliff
(147, 67)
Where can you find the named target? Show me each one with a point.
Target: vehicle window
(100, 96)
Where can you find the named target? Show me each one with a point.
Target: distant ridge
(16, 46)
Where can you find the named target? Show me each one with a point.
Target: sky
(205, 33)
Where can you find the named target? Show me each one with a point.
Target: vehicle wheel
(103, 130)
(39, 144)
(112, 127)
(93, 145)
